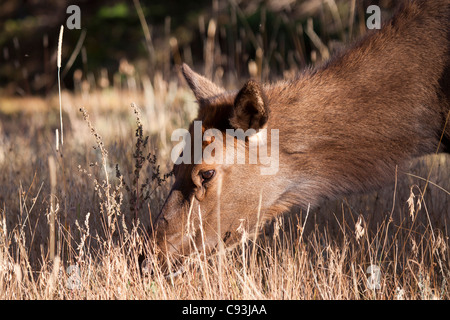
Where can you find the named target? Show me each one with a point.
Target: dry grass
(325, 253)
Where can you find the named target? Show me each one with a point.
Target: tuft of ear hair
(250, 107)
(201, 86)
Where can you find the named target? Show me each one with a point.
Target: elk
(343, 127)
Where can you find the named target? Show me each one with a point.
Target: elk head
(220, 177)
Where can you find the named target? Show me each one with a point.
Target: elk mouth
(167, 269)
(172, 264)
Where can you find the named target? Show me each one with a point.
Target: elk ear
(250, 107)
(202, 87)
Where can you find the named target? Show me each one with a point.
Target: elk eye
(207, 175)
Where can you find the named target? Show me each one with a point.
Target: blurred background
(226, 40)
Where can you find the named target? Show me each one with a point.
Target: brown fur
(343, 128)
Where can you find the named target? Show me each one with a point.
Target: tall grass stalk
(61, 31)
(52, 229)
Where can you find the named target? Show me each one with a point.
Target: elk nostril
(160, 223)
(165, 221)
(160, 220)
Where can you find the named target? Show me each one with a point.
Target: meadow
(74, 216)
